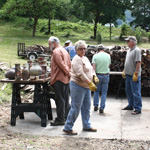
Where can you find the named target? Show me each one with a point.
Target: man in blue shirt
(71, 49)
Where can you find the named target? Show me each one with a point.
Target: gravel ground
(15, 141)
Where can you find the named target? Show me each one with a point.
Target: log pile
(91, 50)
(118, 55)
(145, 78)
(38, 48)
(117, 64)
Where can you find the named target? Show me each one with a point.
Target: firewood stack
(38, 48)
(145, 78)
(118, 55)
(91, 50)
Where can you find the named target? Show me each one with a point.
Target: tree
(50, 10)
(68, 10)
(141, 10)
(104, 10)
(93, 8)
(2, 2)
(30, 8)
(113, 10)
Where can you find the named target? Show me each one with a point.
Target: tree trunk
(34, 25)
(95, 25)
(49, 25)
(110, 31)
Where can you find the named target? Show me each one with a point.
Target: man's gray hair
(135, 42)
(79, 44)
(54, 39)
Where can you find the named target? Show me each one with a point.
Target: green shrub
(99, 38)
(25, 23)
(28, 24)
(124, 30)
(68, 34)
(5, 16)
(5, 95)
(43, 28)
(149, 36)
(139, 33)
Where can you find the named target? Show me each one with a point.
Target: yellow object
(135, 77)
(95, 79)
(92, 86)
(123, 75)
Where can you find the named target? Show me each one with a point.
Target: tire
(32, 56)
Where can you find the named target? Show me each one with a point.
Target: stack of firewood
(118, 56)
(91, 50)
(145, 78)
(38, 48)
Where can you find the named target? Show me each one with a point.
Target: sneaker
(95, 108)
(90, 130)
(70, 132)
(57, 123)
(101, 111)
(136, 112)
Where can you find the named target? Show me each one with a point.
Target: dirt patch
(4, 114)
(10, 140)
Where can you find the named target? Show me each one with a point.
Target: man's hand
(135, 76)
(123, 74)
(95, 79)
(92, 86)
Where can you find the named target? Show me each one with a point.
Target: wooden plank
(25, 81)
(115, 73)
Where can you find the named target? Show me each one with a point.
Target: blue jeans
(80, 100)
(133, 92)
(103, 87)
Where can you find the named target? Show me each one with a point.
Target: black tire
(32, 56)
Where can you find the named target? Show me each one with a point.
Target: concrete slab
(113, 124)
(137, 127)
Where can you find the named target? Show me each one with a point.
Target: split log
(38, 48)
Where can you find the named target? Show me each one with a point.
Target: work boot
(101, 111)
(57, 123)
(95, 108)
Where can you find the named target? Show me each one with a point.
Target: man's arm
(94, 66)
(138, 64)
(135, 75)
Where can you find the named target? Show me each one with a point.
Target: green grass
(5, 95)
